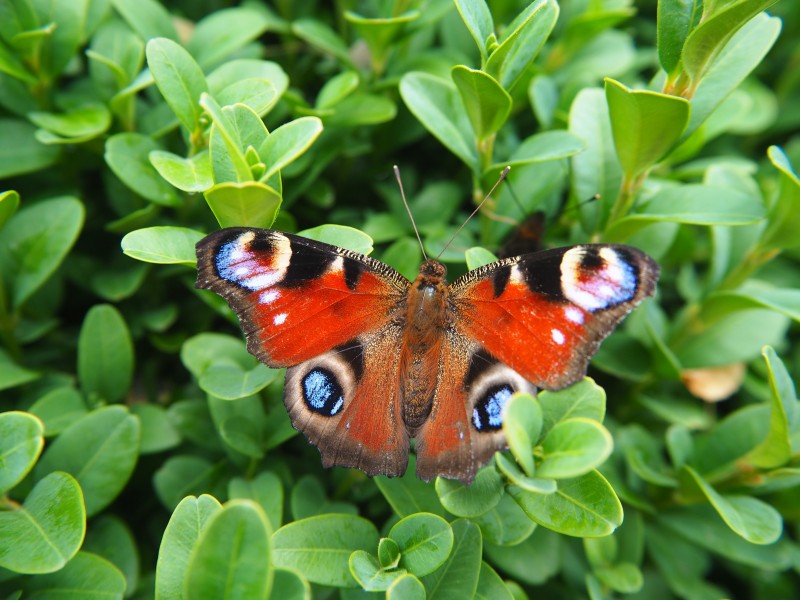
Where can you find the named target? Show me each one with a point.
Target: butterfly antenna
(477, 208)
(405, 202)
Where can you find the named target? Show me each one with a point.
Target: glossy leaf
(573, 447)
(162, 245)
(35, 241)
(182, 533)
(179, 78)
(44, 533)
(87, 575)
(105, 354)
(522, 425)
(340, 235)
(320, 547)
(232, 557)
(478, 19)
(187, 174)
(458, 576)
(100, 451)
(487, 103)
(424, 541)
(21, 442)
(368, 572)
(474, 499)
(288, 142)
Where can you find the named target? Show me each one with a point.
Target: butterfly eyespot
(488, 412)
(322, 393)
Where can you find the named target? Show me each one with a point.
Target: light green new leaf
(573, 447)
(406, 587)
(478, 19)
(582, 507)
(522, 424)
(438, 106)
(288, 142)
(367, 571)
(35, 241)
(9, 203)
(44, 533)
(232, 558)
(245, 204)
(646, 125)
(487, 103)
(340, 235)
(183, 531)
(76, 125)
(675, 18)
(179, 78)
(424, 541)
(784, 211)
(187, 174)
(162, 245)
(105, 354)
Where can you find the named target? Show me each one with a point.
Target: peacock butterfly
(375, 360)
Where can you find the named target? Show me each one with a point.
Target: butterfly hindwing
(297, 298)
(544, 314)
(346, 402)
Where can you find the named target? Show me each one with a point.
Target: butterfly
(375, 360)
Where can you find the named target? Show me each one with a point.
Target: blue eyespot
(322, 393)
(488, 412)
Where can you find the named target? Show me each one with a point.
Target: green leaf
(309, 499)
(99, 450)
(522, 41)
(250, 203)
(491, 586)
(424, 540)
(368, 572)
(105, 354)
(477, 257)
(290, 585)
(478, 19)
(438, 106)
(183, 532)
(148, 18)
(109, 537)
(340, 235)
(784, 211)
(458, 577)
(205, 350)
(573, 447)
(471, 500)
(232, 557)
(522, 425)
(514, 560)
(158, 432)
(515, 476)
(128, 156)
(288, 142)
(646, 125)
(675, 19)
(585, 506)
(408, 494)
(487, 103)
(228, 160)
(163, 245)
(60, 46)
(692, 204)
(320, 547)
(77, 125)
(362, 109)
(224, 32)
(182, 475)
(320, 36)
(754, 520)
(231, 382)
(187, 174)
(505, 524)
(380, 33)
(541, 147)
(85, 576)
(44, 533)
(27, 154)
(388, 553)
(337, 89)
(406, 587)
(58, 409)
(584, 399)
(35, 241)
(776, 449)
(21, 443)
(266, 489)
(179, 79)
(706, 41)
(9, 203)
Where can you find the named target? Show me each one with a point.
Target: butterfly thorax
(426, 319)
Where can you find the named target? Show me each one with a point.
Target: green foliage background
(144, 453)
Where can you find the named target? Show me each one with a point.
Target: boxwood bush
(145, 454)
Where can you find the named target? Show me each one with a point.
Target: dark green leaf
(458, 577)
(105, 354)
(424, 541)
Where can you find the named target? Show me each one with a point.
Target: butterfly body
(375, 360)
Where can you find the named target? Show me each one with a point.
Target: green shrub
(144, 453)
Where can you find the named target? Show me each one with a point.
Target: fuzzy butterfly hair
(375, 360)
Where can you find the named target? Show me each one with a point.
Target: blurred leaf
(222, 33)
(340, 235)
(128, 155)
(478, 19)
(105, 354)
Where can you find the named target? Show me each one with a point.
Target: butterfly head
(433, 271)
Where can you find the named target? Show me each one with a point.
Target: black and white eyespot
(489, 393)
(326, 383)
(322, 392)
(252, 262)
(597, 278)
